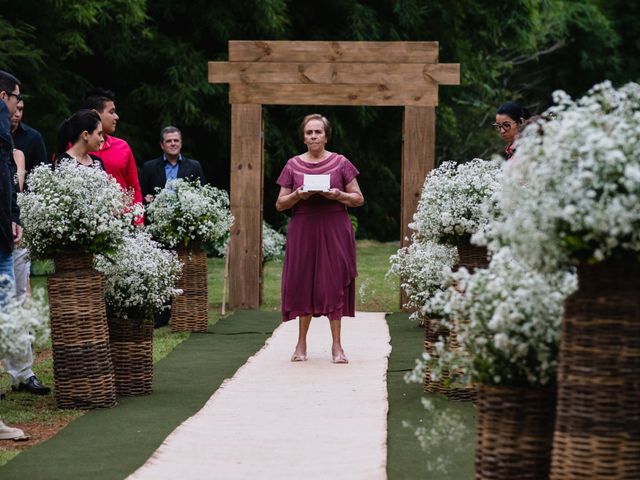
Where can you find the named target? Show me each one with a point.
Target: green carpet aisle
(110, 444)
(449, 449)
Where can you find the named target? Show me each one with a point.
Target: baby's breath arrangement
(185, 211)
(572, 190)
(507, 320)
(21, 321)
(450, 207)
(423, 268)
(140, 276)
(74, 208)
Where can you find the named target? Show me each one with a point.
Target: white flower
(140, 276)
(507, 318)
(185, 211)
(572, 190)
(452, 201)
(74, 208)
(21, 322)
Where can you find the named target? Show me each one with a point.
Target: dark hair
(95, 99)
(8, 82)
(169, 129)
(71, 128)
(315, 116)
(514, 110)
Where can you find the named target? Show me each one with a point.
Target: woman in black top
(78, 135)
(509, 117)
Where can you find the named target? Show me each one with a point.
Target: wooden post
(418, 159)
(245, 249)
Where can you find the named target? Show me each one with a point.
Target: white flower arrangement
(184, 212)
(273, 243)
(74, 208)
(450, 206)
(21, 321)
(507, 321)
(572, 190)
(423, 268)
(140, 276)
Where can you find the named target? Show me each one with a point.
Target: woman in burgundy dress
(318, 276)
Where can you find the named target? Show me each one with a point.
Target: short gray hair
(169, 129)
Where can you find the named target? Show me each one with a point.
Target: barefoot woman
(318, 277)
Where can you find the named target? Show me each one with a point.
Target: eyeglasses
(506, 126)
(17, 95)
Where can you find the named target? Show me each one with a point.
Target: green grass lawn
(374, 292)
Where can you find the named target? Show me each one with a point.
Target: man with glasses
(10, 230)
(27, 139)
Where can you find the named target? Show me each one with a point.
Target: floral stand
(189, 312)
(82, 365)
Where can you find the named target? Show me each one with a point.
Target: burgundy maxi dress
(318, 276)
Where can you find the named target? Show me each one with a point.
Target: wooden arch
(321, 73)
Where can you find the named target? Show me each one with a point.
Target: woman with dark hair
(318, 276)
(509, 118)
(78, 135)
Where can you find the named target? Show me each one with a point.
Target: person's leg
(21, 267)
(300, 354)
(336, 347)
(7, 278)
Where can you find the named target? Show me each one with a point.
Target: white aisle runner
(277, 419)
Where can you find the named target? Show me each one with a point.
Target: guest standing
(318, 276)
(171, 165)
(115, 153)
(509, 117)
(81, 133)
(27, 139)
(19, 369)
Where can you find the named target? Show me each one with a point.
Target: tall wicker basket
(470, 257)
(132, 352)
(433, 330)
(514, 432)
(597, 433)
(189, 310)
(82, 366)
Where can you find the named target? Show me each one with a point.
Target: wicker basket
(597, 433)
(189, 310)
(514, 432)
(433, 330)
(82, 366)
(131, 342)
(471, 256)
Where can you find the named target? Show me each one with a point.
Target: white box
(316, 183)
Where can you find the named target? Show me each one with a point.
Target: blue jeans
(7, 277)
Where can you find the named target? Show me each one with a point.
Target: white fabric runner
(276, 419)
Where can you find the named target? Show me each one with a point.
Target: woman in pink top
(318, 276)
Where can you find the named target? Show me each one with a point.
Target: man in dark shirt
(19, 369)
(27, 139)
(171, 165)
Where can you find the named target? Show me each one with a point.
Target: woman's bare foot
(300, 354)
(338, 355)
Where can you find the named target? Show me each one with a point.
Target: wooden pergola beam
(355, 73)
(303, 51)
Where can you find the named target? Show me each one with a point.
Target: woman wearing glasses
(509, 119)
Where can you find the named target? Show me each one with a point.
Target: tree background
(154, 55)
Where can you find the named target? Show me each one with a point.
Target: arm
(288, 198)
(352, 197)
(199, 173)
(18, 158)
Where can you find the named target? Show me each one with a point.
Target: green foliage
(154, 55)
